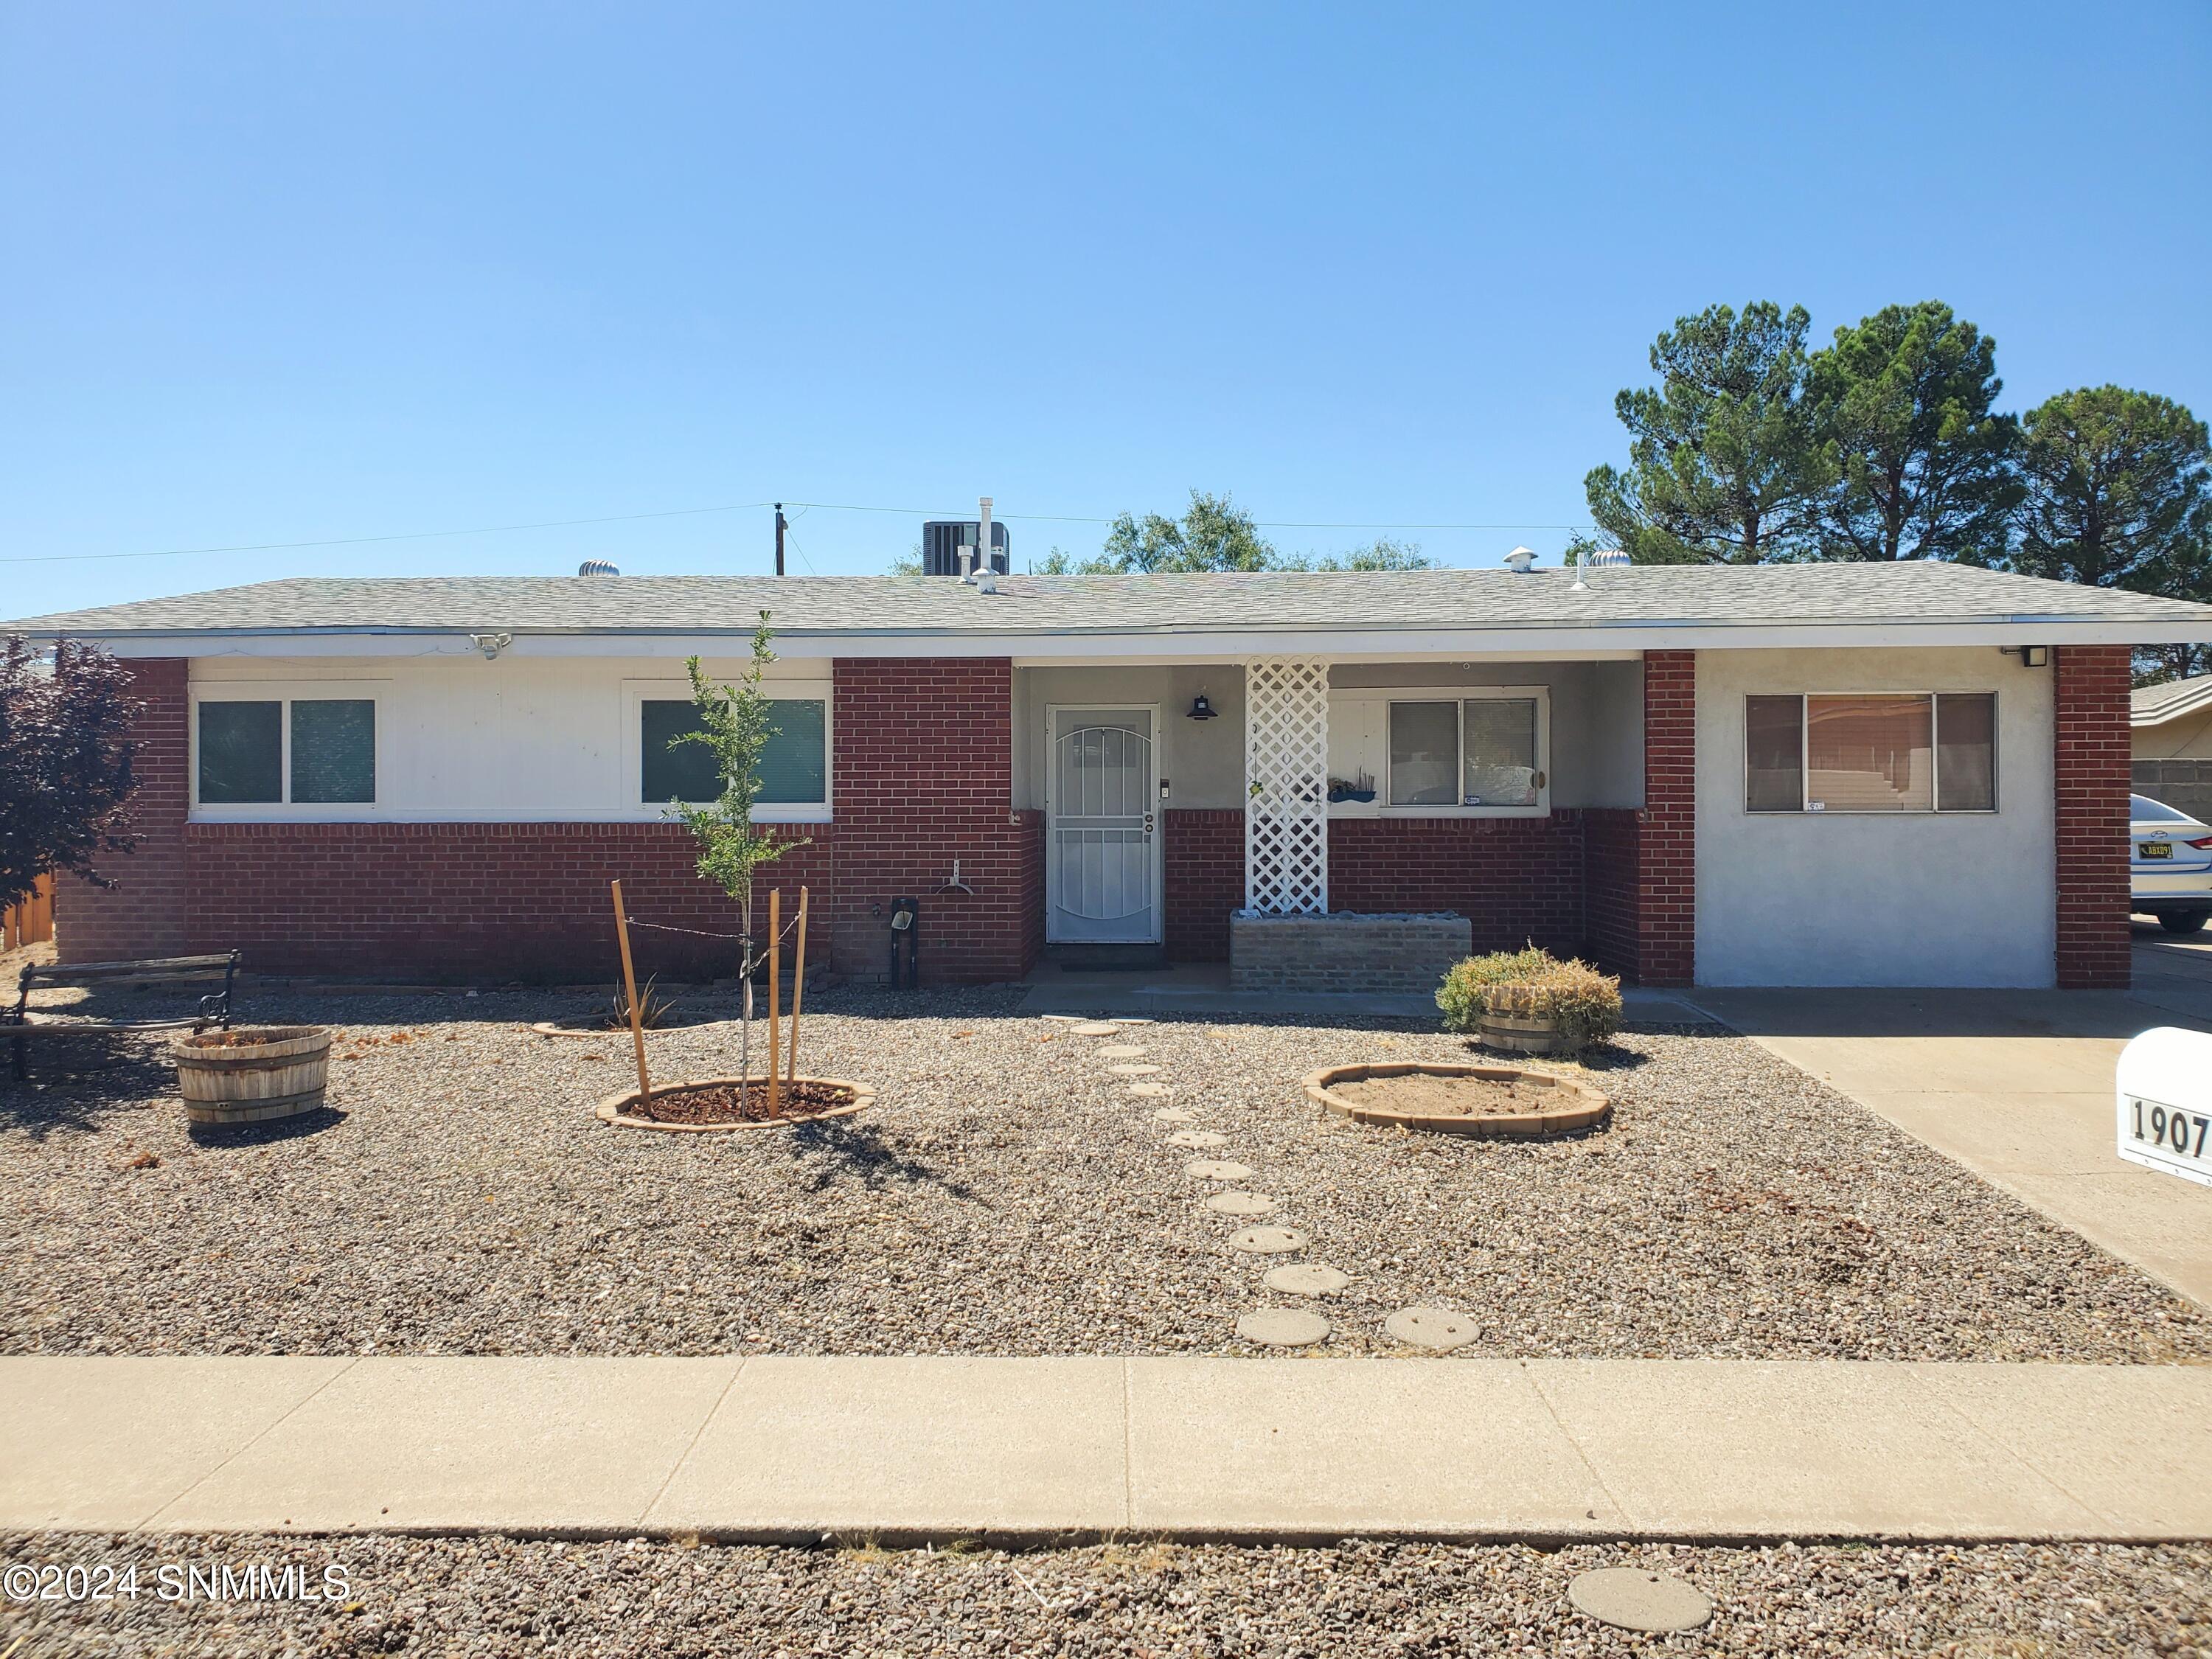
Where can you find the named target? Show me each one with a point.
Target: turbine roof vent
(597, 568)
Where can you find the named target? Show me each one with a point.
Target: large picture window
(301, 751)
(1469, 751)
(794, 768)
(1879, 751)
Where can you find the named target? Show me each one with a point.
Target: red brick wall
(1517, 879)
(142, 916)
(1667, 839)
(476, 901)
(1610, 886)
(1204, 860)
(2090, 784)
(925, 775)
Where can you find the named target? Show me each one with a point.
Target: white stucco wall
(515, 739)
(1878, 899)
(1203, 761)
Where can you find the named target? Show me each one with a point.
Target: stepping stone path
(1240, 1203)
(1282, 1327)
(1132, 1068)
(1430, 1328)
(1268, 1241)
(1215, 1168)
(1307, 1279)
(1632, 1598)
(1174, 1115)
(1197, 1141)
(1120, 1050)
(1097, 1028)
(1151, 1091)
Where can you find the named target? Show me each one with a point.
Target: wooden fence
(31, 922)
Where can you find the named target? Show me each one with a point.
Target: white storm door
(1103, 865)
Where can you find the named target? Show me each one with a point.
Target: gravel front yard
(502, 1596)
(1007, 1193)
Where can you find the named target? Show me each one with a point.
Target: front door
(1102, 799)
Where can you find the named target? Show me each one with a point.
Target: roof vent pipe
(1521, 559)
(596, 568)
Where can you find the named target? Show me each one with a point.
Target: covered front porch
(1509, 790)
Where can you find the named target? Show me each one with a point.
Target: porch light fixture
(491, 644)
(2031, 656)
(1200, 710)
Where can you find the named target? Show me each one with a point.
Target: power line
(697, 512)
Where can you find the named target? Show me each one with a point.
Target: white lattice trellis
(1286, 786)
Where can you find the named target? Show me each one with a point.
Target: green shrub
(1584, 1004)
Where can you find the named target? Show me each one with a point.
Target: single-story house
(1812, 775)
(2173, 730)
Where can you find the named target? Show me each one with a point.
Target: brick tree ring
(820, 1097)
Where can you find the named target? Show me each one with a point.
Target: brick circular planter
(554, 1028)
(251, 1074)
(1580, 1107)
(615, 1109)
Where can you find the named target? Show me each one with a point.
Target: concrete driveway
(2017, 1086)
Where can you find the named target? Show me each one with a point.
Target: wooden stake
(774, 985)
(630, 986)
(797, 992)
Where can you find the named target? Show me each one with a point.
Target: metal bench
(18, 1025)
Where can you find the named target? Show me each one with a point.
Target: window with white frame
(1481, 752)
(271, 751)
(1877, 751)
(794, 766)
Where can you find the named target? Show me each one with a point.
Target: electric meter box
(2165, 1102)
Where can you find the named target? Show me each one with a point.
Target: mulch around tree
(726, 1103)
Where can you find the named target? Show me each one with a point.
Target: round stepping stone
(1307, 1279)
(1215, 1168)
(1197, 1140)
(1132, 1068)
(1172, 1114)
(1268, 1241)
(1120, 1050)
(1151, 1091)
(1636, 1599)
(1097, 1028)
(1133, 1019)
(1282, 1327)
(1430, 1328)
(1240, 1203)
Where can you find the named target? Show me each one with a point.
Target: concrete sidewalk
(2017, 1086)
(1017, 1449)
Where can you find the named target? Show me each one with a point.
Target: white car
(2169, 866)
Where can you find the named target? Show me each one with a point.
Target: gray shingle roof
(2154, 705)
(1422, 599)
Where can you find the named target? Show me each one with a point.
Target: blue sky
(282, 272)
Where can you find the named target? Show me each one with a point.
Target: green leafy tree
(1381, 554)
(2117, 492)
(1724, 465)
(65, 763)
(907, 563)
(1905, 401)
(734, 725)
(1213, 533)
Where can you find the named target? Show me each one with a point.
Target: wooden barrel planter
(1519, 1033)
(253, 1073)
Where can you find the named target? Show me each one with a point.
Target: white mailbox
(2166, 1103)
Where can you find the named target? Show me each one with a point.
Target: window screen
(685, 772)
(1425, 754)
(1966, 752)
(1774, 757)
(1500, 741)
(333, 751)
(1869, 754)
(793, 767)
(242, 752)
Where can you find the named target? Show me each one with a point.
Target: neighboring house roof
(1636, 607)
(2154, 705)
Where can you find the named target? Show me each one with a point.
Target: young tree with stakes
(734, 727)
(66, 755)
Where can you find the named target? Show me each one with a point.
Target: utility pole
(778, 538)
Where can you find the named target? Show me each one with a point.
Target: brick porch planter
(1386, 955)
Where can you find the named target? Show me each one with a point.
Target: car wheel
(2184, 921)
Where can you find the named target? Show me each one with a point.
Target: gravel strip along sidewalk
(1005, 1195)
(498, 1596)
